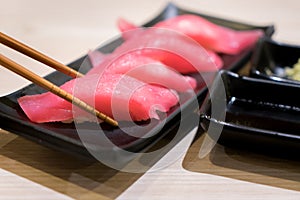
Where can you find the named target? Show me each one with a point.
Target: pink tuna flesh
(209, 35)
(170, 47)
(118, 96)
(143, 68)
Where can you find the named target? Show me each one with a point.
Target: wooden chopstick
(20, 47)
(18, 69)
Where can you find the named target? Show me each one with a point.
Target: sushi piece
(118, 96)
(169, 47)
(127, 31)
(141, 67)
(211, 36)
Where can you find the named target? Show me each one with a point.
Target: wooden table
(65, 30)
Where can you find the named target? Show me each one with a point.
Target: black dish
(64, 137)
(271, 57)
(260, 114)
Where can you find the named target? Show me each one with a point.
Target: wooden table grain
(67, 29)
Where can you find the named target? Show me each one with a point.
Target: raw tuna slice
(172, 48)
(206, 33)
(143, 68)
(125, 25)
(118, 96)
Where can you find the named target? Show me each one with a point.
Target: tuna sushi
(211, 36)
(143, 68)
(118, 96)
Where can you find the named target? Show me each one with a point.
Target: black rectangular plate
(260, 114)
(64, 137)
(271, 57)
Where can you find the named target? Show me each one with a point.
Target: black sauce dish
(270, 60)
(260, 115)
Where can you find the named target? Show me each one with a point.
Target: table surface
(66, 30)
